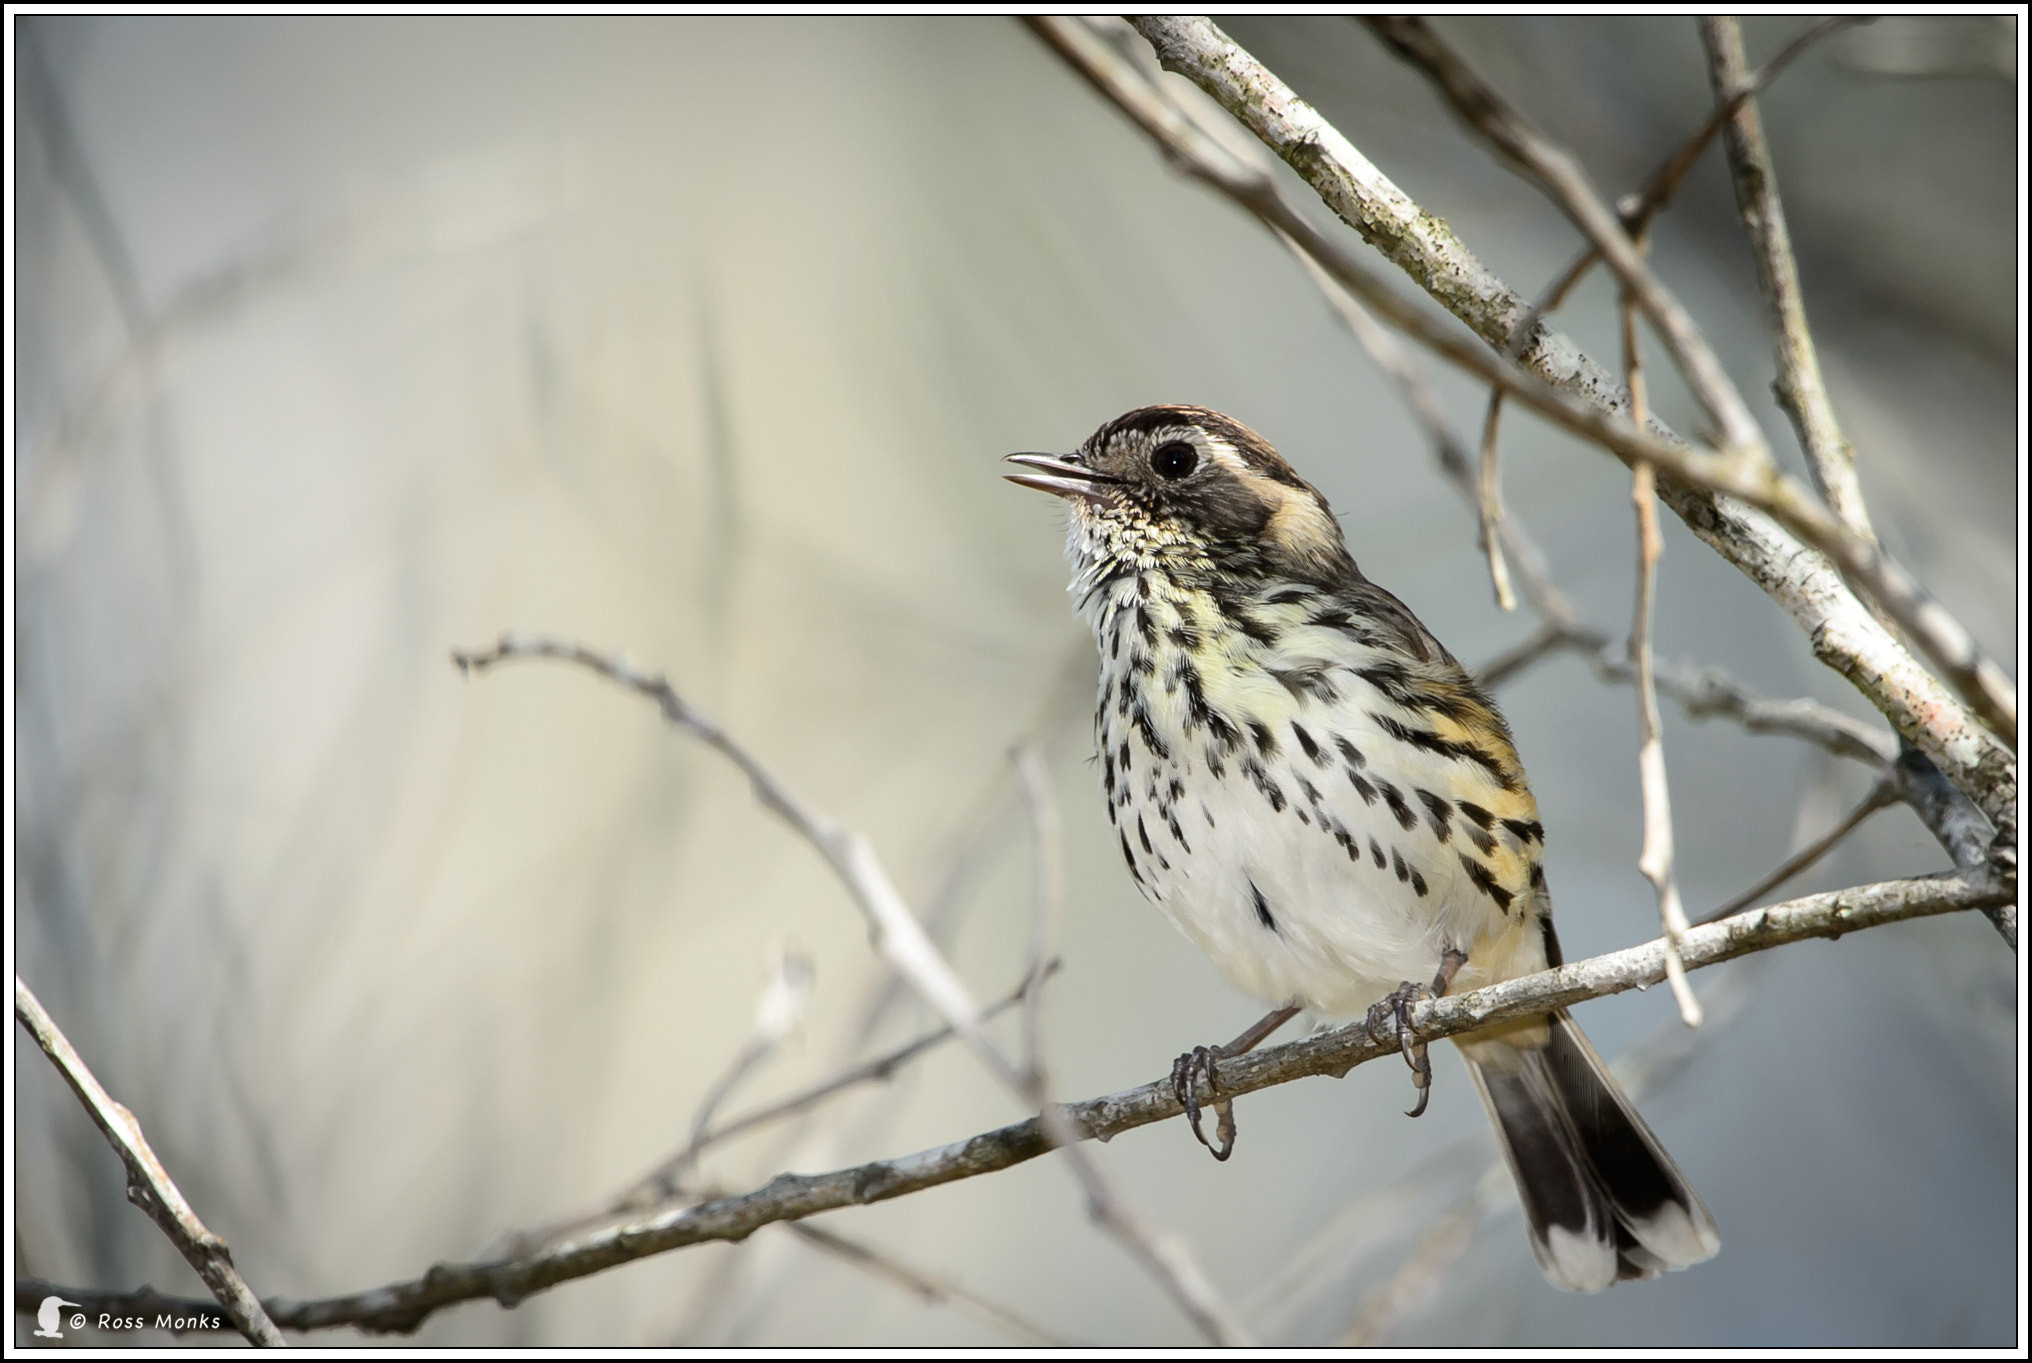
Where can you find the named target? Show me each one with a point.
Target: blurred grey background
(345, 341)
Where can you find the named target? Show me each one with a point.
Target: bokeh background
(341, 342)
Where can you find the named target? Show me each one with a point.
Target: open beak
(1062, 475)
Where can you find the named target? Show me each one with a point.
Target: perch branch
(403, 1306)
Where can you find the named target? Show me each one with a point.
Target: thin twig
(1655, 860)
(1844, 633)
(663, 1184)
(403, 1306)
(930, 1287)
(1397, 365)
(777, 1014)
(1542, 642)
(149, 1186)
(1638, 211)
(1884, 792)
(1799, 389)
(897, 933)
(1561, 176)
(1049, 897)
(1165, 1256)
(1489, 512)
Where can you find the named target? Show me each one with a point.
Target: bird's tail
(1602, 1199)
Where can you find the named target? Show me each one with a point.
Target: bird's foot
(1186, 1076)
(1392, 1018)
(1187, 1070)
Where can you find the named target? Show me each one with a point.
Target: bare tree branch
(403, 1306)
(1636, 214)
(149, 1186)
(1703, 692)
(1744, 525)
(1981, 681)
(1561, 176)
(1799, 388)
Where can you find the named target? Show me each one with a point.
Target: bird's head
(1188, 486)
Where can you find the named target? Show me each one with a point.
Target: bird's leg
(1186, 1072)
(1394, 1014)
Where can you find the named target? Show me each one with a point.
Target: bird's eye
(1174, 459)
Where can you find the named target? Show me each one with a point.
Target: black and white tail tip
(1602, 1200)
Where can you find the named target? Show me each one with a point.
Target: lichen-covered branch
(149, 1185)
(1941, 637)
(1562, 177)
(1752, 524)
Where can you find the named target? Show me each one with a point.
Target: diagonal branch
(897, 933)
(1950, 646)
(1799, 388)
(404, 1306)
(1748, 525)
(931, 1288)
(1884, 792)
(1561, 176)
(1636, 214)
(1702, 692)
(148, 1184)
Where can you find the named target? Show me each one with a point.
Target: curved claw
(1393, 1014)
(1185, 1081)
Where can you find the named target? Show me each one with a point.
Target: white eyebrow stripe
(1225, 454)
